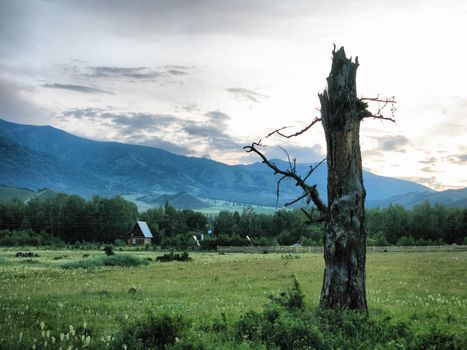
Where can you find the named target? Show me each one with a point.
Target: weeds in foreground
(286, 323)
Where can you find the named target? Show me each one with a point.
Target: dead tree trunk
(344, 245)
(344, 216)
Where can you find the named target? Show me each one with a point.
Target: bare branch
(313, 169)
(310, 191)
(379, 114)
(279, 131)
(378, 99)
(296, 200)
(311, 220)
(309, 216)
(278, 188)
(292, 167)
(391, 119)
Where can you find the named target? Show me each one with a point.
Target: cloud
(190, 108)
(429, 161)
(16, 104)
(176, 72)
(143, 73)
(430, 181)
(242, 93)
(151, 141)
(457, 158)
(77, 88)
(126, 123)
(389, 143)
(392, 143)
(160, 130)
(89, 113)
(211, 130)
(136, 73)
(137, 122)
(303, 154)
(429, 169)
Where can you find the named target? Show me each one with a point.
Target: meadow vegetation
(231, 301)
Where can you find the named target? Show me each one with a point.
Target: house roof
(144, 228)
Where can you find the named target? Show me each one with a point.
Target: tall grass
(108, 260)
(421, 292)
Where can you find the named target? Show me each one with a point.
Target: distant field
(39, 300)
(214, 210)
(9, 193)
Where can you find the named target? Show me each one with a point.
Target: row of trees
(424, 223)
(70, 218)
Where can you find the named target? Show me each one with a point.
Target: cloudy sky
(204, 78)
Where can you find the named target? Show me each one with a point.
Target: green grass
(41, 300)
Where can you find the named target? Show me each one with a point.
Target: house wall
(136, 237)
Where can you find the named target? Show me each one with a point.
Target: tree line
(70, 219)
(424, 224)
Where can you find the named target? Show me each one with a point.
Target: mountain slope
(180, 200)
(449, 198)
(42, 156)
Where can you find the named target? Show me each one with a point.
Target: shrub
(405, 241)
(291, 299)
(174, 257)
(112, 260)
(252, 326)
(27, 238)
(60, 257)
(154, 332)
(119, 243)
(380, 240)
(437, 338)
(108, 250)
(26, 255)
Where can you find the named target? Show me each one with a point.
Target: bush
(405, 241)
(380, 240)
(108, 250)
(119, 243)
(28, 237)
(174, 257)
(26, 255)
(291, 299)
(153, 332)
(112, 260)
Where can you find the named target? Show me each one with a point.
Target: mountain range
(45, 157)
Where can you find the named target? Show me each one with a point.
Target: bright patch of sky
(204, 78)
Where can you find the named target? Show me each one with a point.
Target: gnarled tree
(344, 215)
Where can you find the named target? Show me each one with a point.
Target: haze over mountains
(42, 156)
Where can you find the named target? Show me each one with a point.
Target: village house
(140, 234)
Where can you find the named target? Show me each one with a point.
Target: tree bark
(345, 241)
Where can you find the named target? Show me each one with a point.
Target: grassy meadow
(43, 305)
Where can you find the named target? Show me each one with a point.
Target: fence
(369, 249)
